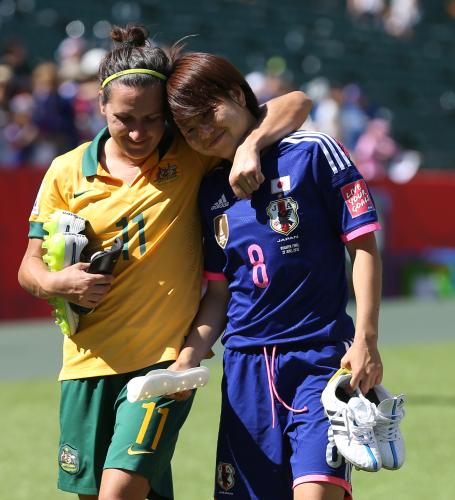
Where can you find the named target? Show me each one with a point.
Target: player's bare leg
(117, 484)
(318, 491)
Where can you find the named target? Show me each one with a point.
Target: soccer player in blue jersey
(276, 263)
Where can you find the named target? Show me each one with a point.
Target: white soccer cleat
(389, 413)
(62, 221)
(161, 382)
(352, 418)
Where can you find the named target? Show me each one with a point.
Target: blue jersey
(283, 251)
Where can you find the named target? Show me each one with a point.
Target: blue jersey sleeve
(212, 232)
(345, 192)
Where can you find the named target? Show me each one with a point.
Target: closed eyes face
(135, 118)
(217, 132)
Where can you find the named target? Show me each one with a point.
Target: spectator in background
(353, 116)
(367, 11)
(401, 17)
(85, 103)
(15, 56)
(52, 114)
(5, 78)
(327, 106)
(20, 134)
(396, 17)
(450, 8)
(69, 54)
(375, 150)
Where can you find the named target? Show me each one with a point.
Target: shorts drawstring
(272, 389)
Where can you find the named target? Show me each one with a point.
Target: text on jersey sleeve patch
(357, 198)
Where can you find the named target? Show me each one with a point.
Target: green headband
(133, 70)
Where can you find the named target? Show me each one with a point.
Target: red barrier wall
(18, 190)
(417, 215)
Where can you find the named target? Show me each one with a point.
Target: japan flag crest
(283, 215)
(280, 185)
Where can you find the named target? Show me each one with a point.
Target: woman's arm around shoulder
(280, 116)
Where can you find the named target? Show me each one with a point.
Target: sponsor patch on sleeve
(357, 198)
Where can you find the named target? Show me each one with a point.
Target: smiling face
(220, 131)
(135, 119)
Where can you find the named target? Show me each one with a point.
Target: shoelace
(361, 429)
(387, 427)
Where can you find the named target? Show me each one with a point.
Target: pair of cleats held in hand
(365, 429)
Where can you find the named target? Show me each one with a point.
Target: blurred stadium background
(381, 74)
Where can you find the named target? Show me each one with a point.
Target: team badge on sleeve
(283, 215)
(221, 229)
(225, 476)
(357, 198)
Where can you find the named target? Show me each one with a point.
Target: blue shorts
(264, 449)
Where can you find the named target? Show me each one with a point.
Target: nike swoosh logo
(137, 452)
(80, 193)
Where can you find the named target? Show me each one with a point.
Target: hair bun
(133, 35)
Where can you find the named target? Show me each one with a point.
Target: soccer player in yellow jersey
(138, 180)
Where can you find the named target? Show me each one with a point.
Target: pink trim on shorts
(214, 276)
(369, 228)
(322, 478)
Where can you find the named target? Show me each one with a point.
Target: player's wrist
(188, 358)
(252, 143)
(47, 285)
(366, 337)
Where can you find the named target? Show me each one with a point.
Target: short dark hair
(132, 50)
(198, 81)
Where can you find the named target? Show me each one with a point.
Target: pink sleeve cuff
(368, 228)
(214, 276)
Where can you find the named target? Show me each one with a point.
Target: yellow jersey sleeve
(54, 193)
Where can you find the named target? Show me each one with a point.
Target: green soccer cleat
(63, 249)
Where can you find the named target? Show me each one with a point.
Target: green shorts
(100, 429)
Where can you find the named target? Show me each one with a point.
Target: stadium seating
(411, 77)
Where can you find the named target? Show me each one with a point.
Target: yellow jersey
(156, 292)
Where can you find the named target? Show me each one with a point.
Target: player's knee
(118, 484)
(318, 491)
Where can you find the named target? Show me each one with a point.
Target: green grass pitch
(29, 433)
